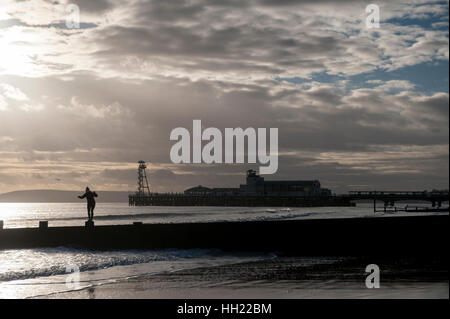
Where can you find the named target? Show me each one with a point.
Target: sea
(63, 271)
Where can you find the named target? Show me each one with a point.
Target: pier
(436, 199)
(420, 235)
(258, 192)
(179, 199)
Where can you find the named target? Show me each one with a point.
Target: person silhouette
(90, 196)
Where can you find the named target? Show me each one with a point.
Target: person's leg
(89, 211)
(92, 211)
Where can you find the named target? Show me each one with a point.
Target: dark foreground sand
(285, 277)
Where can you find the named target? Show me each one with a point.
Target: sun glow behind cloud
(15, 53)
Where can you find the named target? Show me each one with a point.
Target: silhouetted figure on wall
(90, 196)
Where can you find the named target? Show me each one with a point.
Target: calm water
(74, 214)
(43, 272)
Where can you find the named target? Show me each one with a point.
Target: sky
(357, 108)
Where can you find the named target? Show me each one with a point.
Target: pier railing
(433, 196)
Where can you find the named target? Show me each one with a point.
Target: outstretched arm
(82, 196)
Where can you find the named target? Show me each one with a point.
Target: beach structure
(420, 235)
(143, 188)
(255, 192)
(258, 192)
(257, 186)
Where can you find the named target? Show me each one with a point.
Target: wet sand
(285, 277)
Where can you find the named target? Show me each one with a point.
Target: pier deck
(389, 198)
(237, 201)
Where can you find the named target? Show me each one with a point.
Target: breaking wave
(53, 261)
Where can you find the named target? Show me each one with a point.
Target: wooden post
(43, 224)
(1, 224)
(374, 205)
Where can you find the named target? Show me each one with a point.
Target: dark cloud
(10, 23)
(170, 11)
(89, 6)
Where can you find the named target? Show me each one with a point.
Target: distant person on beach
(90, 196)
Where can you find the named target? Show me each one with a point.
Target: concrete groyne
(396, 235)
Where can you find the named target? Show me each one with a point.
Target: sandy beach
(282, 277)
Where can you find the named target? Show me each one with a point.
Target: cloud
(246, 43)
(12, 92)
(133, 121)
(92, 7)
(3, 104)
(393, 85)
(87, 104)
